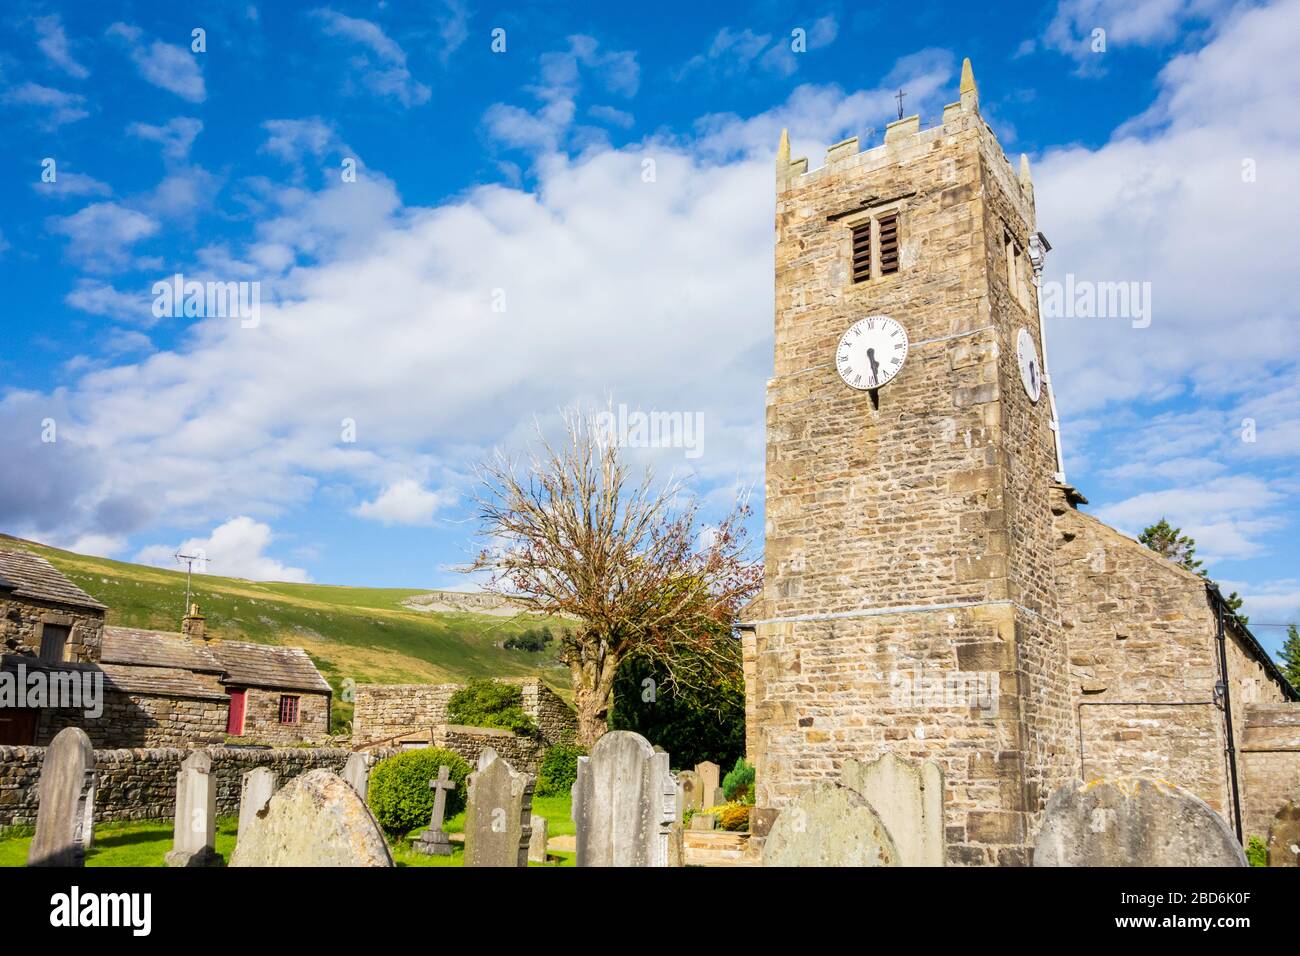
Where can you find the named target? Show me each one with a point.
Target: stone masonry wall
(262, 717)
(136, 721)
(523, 753)
(1269, 763)
(387, 710)
(141, 784)
(1144, 663)
(20, 628)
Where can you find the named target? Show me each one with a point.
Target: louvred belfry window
(862, 252)
(888, 244)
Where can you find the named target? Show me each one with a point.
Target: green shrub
(738, 784)
(399, 791)
(558, 770)
(1256, 852)
(533, 640)
(486, 703)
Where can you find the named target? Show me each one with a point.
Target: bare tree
(629, 561)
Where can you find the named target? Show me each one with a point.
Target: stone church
(932, 588)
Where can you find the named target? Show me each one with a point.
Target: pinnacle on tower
(970, 94)
(1026, 183)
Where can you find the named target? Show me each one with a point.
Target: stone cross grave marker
(65, 816)
(498, 822)
(194, 839)
(357, 773)
(537, 841)
(624, 803)
(256, 788)
(433, 842)
(710, 785)
(316, 819)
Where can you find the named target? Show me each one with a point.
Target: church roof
(26, 575)
(239, 664)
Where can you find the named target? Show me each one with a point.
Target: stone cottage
(61, 666)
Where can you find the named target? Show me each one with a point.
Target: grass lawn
(146, 842)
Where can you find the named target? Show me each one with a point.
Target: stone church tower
(909, 602)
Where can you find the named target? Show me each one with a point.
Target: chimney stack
(192, 625)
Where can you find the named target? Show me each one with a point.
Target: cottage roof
(144, 681)
(27, 575)
(239, 664)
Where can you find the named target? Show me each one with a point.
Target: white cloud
(53, 42)
(102, 298)
(234, 549)
(1126, 22)
(67, 185)
(166, 65)
(176, 136)
(55, 107)
(733, 53)
(101, 236)
(383, 68)
(405, 502)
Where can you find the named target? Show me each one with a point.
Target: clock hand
(871, 357)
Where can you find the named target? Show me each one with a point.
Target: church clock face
(1031, 372)
(872, 352)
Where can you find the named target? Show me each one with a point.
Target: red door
(235, 721)
(18, 726)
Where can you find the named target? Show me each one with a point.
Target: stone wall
(262, 717)
(137, 721)
(1268, 764)
(523, 753)
(382, 711)
(1144, 663)
(20, 628)
(141, 784)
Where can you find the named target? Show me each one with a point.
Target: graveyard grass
(146, 842)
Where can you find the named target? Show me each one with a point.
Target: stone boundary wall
(1269, 764)
(141, 784)
(523, 753)
(382, 711)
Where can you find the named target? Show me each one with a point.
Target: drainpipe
(1227, 707)
(1039, 247)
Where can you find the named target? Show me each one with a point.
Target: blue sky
(517, 178)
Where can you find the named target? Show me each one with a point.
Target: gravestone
(829, 826)
(433, 841)
(710, 785)
(537, 840)
(498, 821)
(1133, 821)
(485, 757)
(256, 788)
(357, 773)
(624, 803)
(1284, 836)
(908, 798)
(704, 821)
(692, 790)
(316, 819)
(65, 816)
(194, 838)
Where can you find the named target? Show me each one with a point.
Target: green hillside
(359, 633)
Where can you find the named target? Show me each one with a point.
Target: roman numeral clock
(871, 352)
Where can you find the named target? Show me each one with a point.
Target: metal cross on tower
(899, 96)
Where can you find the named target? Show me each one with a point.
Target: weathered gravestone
(316, 819)
(485, 757)
(256, 788)
(704, 821)
(498, 820)
(908, 798)
(692, 790)
(1133, 821)
(829, 826)
(65, 816)
(194, 836)
(710, 787)
(537, 840)
(624, 803)
(357, 773)
(433, 841)
(1284, 836)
